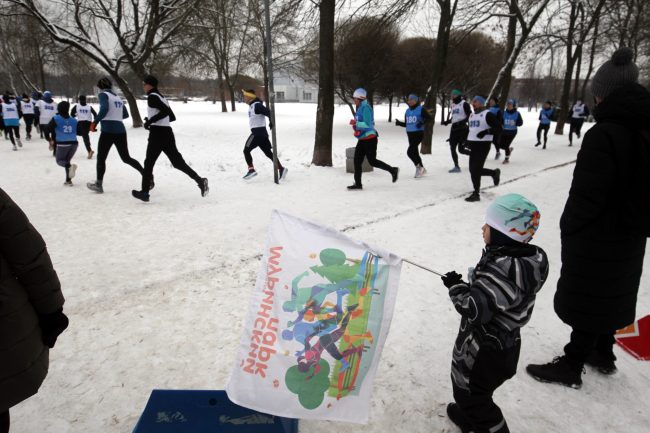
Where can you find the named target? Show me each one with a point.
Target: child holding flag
(496, 302)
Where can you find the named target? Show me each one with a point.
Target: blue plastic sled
(175, 411)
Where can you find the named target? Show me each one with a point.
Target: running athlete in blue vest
(414, 119)
(511, 121)
(112, 111)
(546, 115)
(65, 137)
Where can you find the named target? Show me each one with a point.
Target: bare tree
(113, 34)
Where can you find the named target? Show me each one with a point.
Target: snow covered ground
(156, 292)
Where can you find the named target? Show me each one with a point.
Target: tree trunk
(439, 62)
(231, 89)
(576, 83)
(325, 113)
(222, 92)
(130, 99)
(390, 109)
(568, 74)
(592, 55)
(510, 46)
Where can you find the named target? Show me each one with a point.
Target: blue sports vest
(66, 129)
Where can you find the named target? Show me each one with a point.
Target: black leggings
(161, 140)
(29, 120)
(367, 149)
(415, 138)
(4, 422)
(83, 130)
(12, 131)
(506, 141)
(576, 127)
(478, 154)
(261, 141)
(106, 141)
(583, 343)
(457, 138)
(544, 128)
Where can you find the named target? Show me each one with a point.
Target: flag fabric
(318, 319)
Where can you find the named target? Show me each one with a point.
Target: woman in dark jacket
(31, 308)
(604, 226)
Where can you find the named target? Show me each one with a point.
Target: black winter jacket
(606, 219)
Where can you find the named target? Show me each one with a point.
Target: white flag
(318, 320)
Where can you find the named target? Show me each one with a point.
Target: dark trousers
(83, 130)
(29, 121)
(478, 154)
(64, 154)
(575, 128)
(583, 343)
(491, 369)
(161, 140)
(496, 140)
(4, 422)
(457, 138)
(367, 149)
(106, 141)
(12, 131)
(261, 141)
(506, 139)
(415, 138)
(544, 128)
(46, 133)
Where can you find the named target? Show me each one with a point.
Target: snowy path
(156, 292)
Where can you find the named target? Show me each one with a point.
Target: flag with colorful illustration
(318, 319)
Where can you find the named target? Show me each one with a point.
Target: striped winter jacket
(497, 302)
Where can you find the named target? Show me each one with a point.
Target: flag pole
(423, 267)
(270, 90)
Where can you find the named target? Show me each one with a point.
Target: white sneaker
(72, 170)
(250, 174)
(283, 173)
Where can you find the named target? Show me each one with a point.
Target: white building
(293, 89)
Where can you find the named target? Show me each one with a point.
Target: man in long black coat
(31, 308)
(605, 225)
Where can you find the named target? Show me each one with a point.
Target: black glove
(270, 125)
(446, 122)
(147, 124)
(483, 133)
(450, 279)
(52, 325)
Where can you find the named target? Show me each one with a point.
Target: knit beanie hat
(150, 80)
(514, 216)
(360, 93)
(614, 73)
(456, 92)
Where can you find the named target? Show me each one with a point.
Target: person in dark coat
(31, 308)
(604, 226)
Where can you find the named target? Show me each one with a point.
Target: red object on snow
(635, 338)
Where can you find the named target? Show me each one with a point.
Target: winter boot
(203, 186)
(395, 173)
(475, 196)
(456, 416)
(95, 186)
(496, 177)
(561, 370)
(251, 173)
(140, 195)
(604, 363)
